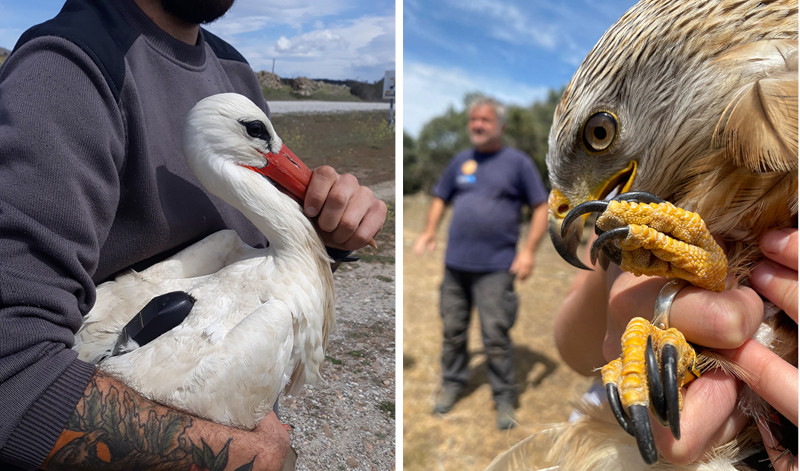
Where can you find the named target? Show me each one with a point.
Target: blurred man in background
(487, 187)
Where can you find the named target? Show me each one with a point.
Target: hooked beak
(287, 171)
(567, 239)
(566, 244)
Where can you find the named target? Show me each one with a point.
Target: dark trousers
(493, 295)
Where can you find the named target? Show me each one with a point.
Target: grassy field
(285, 93)
(357, 142)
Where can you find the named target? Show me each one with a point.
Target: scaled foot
(646, 235)
(654, 365)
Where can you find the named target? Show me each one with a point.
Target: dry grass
(466, 438)
(355, 142)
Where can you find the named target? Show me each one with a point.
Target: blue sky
(335, 39)
(514, 50)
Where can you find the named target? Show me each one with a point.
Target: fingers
(702, 426)
(521, 266)
(425, 242)
(778, 284)
(716, 320)
(769, 376)
(776, 278)
(781, 246)
(322, 180)
(348, 214)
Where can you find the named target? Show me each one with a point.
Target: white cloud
(294, 13)
(232, 25)
(505, 21)
(313, 44)
(429, 90)
(361, 48)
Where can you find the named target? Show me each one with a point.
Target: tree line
(425, 157)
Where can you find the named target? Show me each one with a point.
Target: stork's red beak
(288, 171)
(290, 174)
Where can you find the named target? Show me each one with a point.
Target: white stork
(261, 317)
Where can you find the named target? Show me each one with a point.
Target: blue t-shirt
(487, 192)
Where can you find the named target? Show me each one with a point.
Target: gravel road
(347, 421)
(311, 106)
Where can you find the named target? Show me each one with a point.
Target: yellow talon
(668, 241)
(629, 372)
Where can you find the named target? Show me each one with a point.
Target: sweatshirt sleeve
(61, 149)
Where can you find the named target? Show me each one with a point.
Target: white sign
(388, 85)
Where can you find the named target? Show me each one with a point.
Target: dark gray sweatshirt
(92, 182)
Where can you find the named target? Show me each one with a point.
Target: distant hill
(364, 90)
(4, 54)
(277, 88)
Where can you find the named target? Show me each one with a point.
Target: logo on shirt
(468, 169)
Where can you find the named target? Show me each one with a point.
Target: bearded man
(93, 182)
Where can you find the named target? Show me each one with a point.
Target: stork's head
(227, 129)
(646, 100)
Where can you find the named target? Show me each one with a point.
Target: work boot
(505, 416)
(447, 399)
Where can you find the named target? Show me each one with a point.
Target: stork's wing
(119, 300)
(228, 374)
(759, 127)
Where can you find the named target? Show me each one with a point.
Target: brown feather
(758, 129)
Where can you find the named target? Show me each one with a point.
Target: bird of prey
(679, 127)
(258, 318)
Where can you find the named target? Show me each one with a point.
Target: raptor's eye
(256, 129)
(599, 131)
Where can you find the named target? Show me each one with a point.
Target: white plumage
(261, 317)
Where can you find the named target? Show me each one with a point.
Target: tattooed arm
(114, 427)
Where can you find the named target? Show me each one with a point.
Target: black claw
(578, 211)
(639, 197)
(654, 383)
(567, 238)
(613, 253)
(669, 376)
(616, 407)
(643, 434)
(604, 243)
(567, 246)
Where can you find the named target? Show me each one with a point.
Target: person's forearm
(434, 216)
(113, 427)
(580, 324)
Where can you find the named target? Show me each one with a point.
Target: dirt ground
(466, 438)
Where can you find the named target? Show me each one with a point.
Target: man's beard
(197, 11)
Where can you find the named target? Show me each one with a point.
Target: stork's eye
(599, 131)
(256, 129)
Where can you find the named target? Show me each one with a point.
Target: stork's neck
(275, 214)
